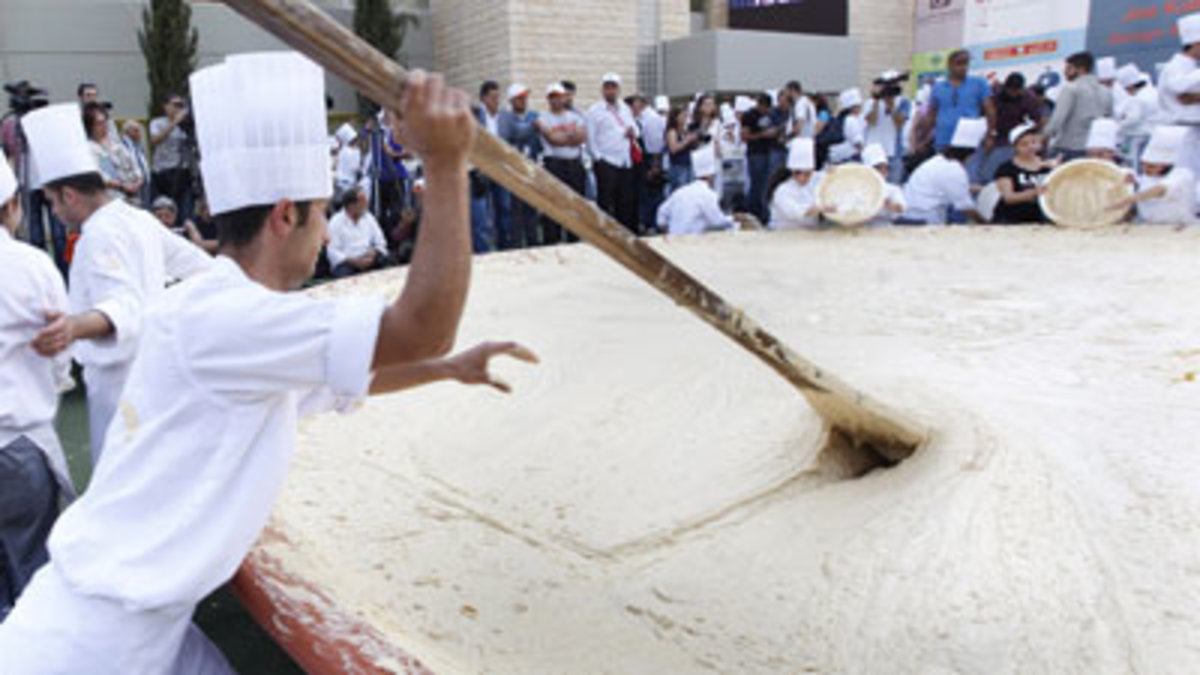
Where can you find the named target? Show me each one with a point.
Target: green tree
(168, 43)
(376, 22)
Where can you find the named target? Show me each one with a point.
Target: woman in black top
(680, 144)
(1020, 179)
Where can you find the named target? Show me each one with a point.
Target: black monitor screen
(822, 17)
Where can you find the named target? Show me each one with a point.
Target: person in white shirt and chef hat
(122, 262)
(696, 207)
(876, 157)
(1179, 91)
(941, 184)
(1166, 191)
(228, 362)
(792, 194)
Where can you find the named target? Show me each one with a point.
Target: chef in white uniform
(695, 208)
(1166, 191)
(1179, 90)
(228, 362)
(794, 199)
(33, 470)
(1137, 114)
(1103, 141)
(941, 183)
(894, 203)
(122, 262)
(854, 128)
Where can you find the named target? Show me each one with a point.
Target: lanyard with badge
(635, 151)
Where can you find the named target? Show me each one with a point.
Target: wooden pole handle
(310, 31)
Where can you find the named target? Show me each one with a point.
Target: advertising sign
(820, 17)
(1139, 31)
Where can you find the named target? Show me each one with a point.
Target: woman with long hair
(680, 144)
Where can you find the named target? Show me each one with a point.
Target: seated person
(356, 242)
(165, 210)
(1166, 192)
(695, 208)
(1102, 140)
(1021, 179)
(201, 229)
(876, 157)
(792, 193)
(941, 183)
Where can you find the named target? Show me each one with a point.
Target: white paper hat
(874, 155)
(1128, 75)
(1189, 29)
(662, 104)
(1103, 134)
(611, 78)
(517, 89)
(802, 155)
(1106, 68)
(8, 181)
(850, 98)
(260, 123)
(555, 89)
(1020, 130)
(704, 162)
(58, 143)
(346, 134)
(1165, 144)
(742, 104)
(969, 133)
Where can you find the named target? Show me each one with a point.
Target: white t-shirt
(693, 209)
(1178, 207)
(935, 187)
(198, 453)
(567, 119)
(804, 118)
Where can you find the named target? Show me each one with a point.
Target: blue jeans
(760, 172)
(491, 220)
(988, 163)
(680, 176)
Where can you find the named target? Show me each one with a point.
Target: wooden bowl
(1079, 194)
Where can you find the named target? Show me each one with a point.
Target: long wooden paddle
(866, 423)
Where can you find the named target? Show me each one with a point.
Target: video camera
(890, 84)
(24, 97)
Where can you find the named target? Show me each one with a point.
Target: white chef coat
(1178, 207)
(854, 130)
(791, 203)
(349, 165)
(606, 129)
(693, 209)
(893, 194)
(350, 239)
(30, 384)
(936, 186)
(654, 131)
(1139, 114)
(1181, 75)
(122, 263)
(198, 454)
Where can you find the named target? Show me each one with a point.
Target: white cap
(59, 145)
(346, 134)
(874, 155)
(1103, 134)
(1106, 68)
(260, 123)
(742, 104)
(1189, 29)
(611, 78)
(969, 133)
(1020, 130)
(850, 98)
(662, 104)
(704, 162)
(517, 89)
(889, 75)
(8, 182)
(1164, 144)
(1129, 75)
(555, 89)
(802, 155)
(419, 185)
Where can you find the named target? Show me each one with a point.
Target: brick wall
(884, 29)
(472, 41)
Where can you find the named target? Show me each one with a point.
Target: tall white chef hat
(1103, 134)
(850, 98)
(58, 144)
(874, 155)
(1165, 144)
(662, 104)
(8, 181)
(260, 123)
(969, 133)
(742, 104)
(1189, 29)
(1106, 68)
(704, 162)
(346, 134)
(802, 155)
(1129, 75)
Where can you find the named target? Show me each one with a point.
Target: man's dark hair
(957, 154)
(764, 99)
(171, 96)
(568, 85)
(1014, 81)
(236, 229)
(1083, 61)
(488, 87)
(795, 86)
(84, 86)
(87, 184)
(958, 54)
(90, 112)
(350, 196)
(634, 98)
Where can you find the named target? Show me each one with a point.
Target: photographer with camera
(171, 173)
(886, 114)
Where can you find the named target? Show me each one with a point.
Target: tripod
(34, 203)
